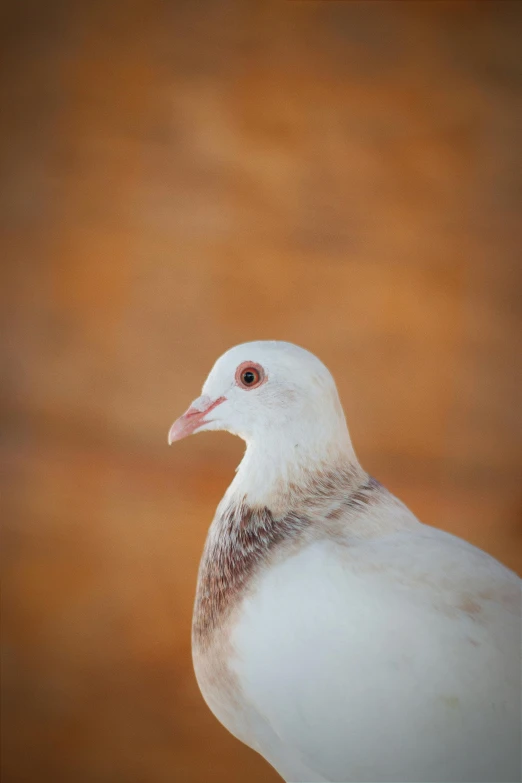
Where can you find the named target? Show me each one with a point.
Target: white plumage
(333, 632)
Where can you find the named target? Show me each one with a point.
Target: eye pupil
(248, 377)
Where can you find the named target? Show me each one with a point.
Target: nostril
(201, 403)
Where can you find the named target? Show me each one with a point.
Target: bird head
(266, 390)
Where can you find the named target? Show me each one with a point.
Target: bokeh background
(179, 177)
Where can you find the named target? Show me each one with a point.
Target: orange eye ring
(250, 375)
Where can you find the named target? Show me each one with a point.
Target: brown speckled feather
(244, 539)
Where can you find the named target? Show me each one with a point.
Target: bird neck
(280, 466)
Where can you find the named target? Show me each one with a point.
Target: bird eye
(249, 375)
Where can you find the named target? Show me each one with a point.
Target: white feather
(368, 665)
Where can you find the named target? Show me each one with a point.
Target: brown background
(183, 176)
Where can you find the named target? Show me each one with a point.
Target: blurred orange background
(180, 177)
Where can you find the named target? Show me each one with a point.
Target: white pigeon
(333, 632)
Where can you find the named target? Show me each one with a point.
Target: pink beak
(193, 418)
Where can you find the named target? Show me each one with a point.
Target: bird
(333, 632)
